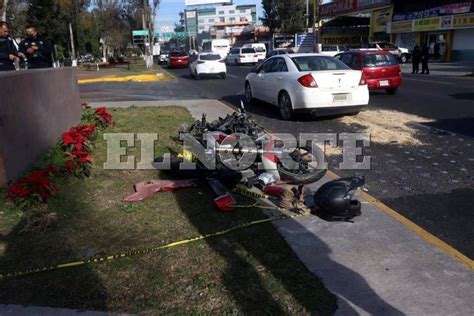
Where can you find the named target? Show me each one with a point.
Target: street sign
(140, 33)
(166, 36)
(305, 40)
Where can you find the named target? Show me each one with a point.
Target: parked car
(381, 69)
(260, 48)
(402, 54)
(314, 83)
(178, 59)
(240, 55)
(208, 64)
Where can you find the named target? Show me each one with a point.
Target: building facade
(208, 21)
(435, 22)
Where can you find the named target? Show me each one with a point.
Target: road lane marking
(423, 80)
(232, 76)
(424, 234)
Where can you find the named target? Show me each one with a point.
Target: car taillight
(242, 56)
(255, 55)
(307, 81)
(225, 203)
(222, 61)
(201, 62)
(362, 81)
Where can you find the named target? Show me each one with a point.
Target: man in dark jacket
(416, 57)
(36, 51)
(8, 52)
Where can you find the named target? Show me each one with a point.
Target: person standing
(416, 59)
(8, 52)
(425, 56)
(442, 52)
(35, 49)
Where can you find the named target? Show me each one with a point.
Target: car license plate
(340, 97)
(384, 83)
(211, 69)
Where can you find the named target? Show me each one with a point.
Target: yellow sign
(428, 24)
(463, 21)
(380, 18)
(402, 27)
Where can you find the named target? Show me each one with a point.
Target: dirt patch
(385, 126)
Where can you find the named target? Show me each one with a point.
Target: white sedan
(208, 64)
(318, 84)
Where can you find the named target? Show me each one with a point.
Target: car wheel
(223, 76)
(392, 91)
(286, 107)
(236, 62)
(248, 93)
(403, 58)
(197, 76)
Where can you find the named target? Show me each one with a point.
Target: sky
(168, 11)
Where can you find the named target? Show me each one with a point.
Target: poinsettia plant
(36, 187)
(72, 156)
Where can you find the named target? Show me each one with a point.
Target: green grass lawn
(251, 270)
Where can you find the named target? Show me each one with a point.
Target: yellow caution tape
(143, 251)
(242, 190)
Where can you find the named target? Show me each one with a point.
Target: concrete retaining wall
(36, 107)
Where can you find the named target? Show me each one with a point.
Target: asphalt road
(431, 182)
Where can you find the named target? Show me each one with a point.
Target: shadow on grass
(79, 288)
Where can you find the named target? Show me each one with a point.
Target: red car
(178, 60)
(381, 69)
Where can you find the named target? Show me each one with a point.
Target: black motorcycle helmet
(334, 200)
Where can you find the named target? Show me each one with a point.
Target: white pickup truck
(402, 54)
(332, 50)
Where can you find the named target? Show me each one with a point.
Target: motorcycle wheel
(308, 162)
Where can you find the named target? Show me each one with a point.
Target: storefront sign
(446, 22)
(455, 8)
(380, 18)
(429, 24)
(402, 27)
(337, 7)
(283, 41)
(448, 9)
(463, 21)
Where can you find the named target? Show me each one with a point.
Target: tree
(286, 16)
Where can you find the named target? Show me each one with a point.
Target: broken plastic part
(225, 203)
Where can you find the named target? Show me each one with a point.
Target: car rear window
(317, 63)
(260, 49)
(178, 54)
(379, 60)
(210, 57)
(248, 51)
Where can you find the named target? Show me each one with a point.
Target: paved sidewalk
(443, 69)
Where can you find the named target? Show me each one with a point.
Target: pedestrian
(425, 56)
(8, 52)
(416, 59)
(442, 52)
(436, 52)
(35, 49)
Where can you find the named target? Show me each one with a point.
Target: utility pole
(307, 15)
(4, 13)
(316, 23)
(73, 48)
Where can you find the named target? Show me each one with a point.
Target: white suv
(242, 55)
